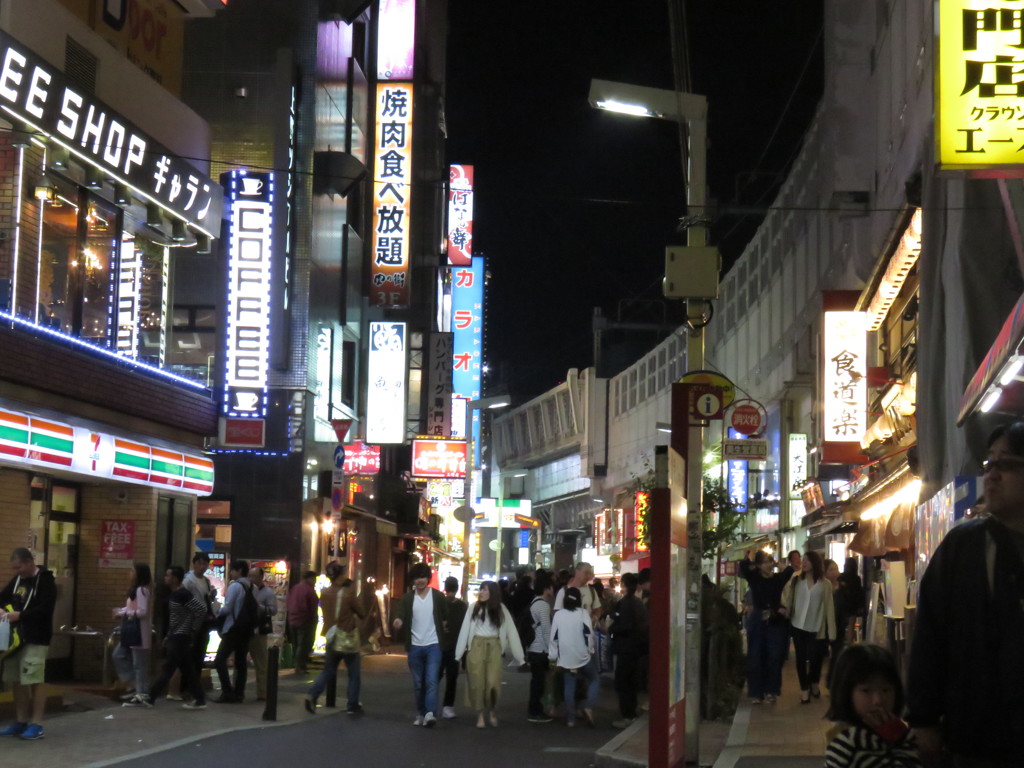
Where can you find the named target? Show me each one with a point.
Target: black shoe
(309, 704)
(356, 710)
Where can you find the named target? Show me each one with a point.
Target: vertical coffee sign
(250, 257)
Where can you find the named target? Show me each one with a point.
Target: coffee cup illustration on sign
(246, 401)
(251, 186)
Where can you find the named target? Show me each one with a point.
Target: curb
(605, 757)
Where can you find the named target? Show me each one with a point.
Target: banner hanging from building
(460, 215)
(385, 396)
(392, 195)
(396, 39)
(468, 332)
(439, 381)
(844, 384)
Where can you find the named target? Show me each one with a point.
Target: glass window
(57, 254)
(96, 271)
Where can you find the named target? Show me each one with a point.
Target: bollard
(273, 656)
(331, 692)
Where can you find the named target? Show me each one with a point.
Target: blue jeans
(132, 665)
(425, 665)
(588, 673)
(766, 650)
(330, 672)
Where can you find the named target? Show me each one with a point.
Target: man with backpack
(240, 614)
(538, 622)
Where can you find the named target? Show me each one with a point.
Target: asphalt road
(385, 736)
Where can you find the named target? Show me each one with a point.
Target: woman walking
(807, 602)
(767, 628)
(342, 612)
(572, 648)
(131, 657)
(487, 633)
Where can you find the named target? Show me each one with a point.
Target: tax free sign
(37, 94)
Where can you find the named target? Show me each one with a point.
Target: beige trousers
(483, 670)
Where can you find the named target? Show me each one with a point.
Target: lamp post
(483, 404)
(692, 274)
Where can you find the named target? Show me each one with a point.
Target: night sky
(574, 207)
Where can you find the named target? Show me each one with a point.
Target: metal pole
(467, 531)
(273, 659)
(696, 235)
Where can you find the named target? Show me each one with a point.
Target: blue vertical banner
(468, 344)
(739, 490)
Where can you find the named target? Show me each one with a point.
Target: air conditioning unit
(202, 8)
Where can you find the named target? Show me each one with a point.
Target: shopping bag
(10, 639)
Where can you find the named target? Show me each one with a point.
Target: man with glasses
(966, 677)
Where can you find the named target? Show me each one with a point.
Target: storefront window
(57, 255)
(99, 256)
(142, 300)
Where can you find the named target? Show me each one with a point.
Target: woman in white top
(807, 602)
(132, 661)
(487, 633)
(572, 648)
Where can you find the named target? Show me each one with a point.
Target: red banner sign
(361, 459)
(117, 546)
(439, 458)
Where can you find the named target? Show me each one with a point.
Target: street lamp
(692, 274)
(483, 404)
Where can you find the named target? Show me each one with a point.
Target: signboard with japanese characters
(250, 258)
(750, 449)
(844, 376)
(438, 458)
(385, 396)
(38, 94)
(392, 195)
(439, 383)
(361, 459)
(797, 464)
(980, 85)
(467, 329)
(117, 545)
(460, 215)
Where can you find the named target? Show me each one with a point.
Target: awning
(995, 385)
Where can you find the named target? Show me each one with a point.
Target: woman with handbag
(342, 615)
(131, 657)
(487, 633)
(807, 603)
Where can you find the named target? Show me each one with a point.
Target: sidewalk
(786, 734)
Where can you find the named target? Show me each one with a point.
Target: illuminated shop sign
(468, 332)
(439, 380)
(979, 88)
(438, 458)
(361, 459)
(385, 396)
(515, 513)
(250, 250)
(642, 507)
(129, 300)
(446, 493)
(460, 215)
(33, 442)
(845, 389)
(38, 94)
(797, 464)
(396, 38)
(392, 196)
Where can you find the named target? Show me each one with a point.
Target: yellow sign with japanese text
(980, 85)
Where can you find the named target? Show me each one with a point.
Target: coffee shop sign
(39, 95)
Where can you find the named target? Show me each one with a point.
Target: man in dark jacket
(967, 661)
(28, 601)
(629, 631)
(449, 664)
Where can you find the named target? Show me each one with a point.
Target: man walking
(537, 652)
(31, 596)
(266, 602)
(449, 664)
(966, 672)
(195, 582)
(302, 614)
(186, 616)
(239, 625)
(423, 612)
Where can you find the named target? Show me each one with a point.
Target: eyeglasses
(1004, 464)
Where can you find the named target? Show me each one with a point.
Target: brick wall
(14, 513)
(101, 589)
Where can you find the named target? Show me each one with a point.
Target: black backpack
(248, 618)
(525, 625)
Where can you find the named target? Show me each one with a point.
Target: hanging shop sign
(711, 378)
(844, 377)
(38, 94)
(641, 530)
(750, 449)
(392, 195)
(385, 394)
(438, 458)
(250, 256)
(515, 513)
(797, 463)
(396, 38)
(361, 459)
(467, 356)
(979, 89)
(42, 444)
(439, 381)
(460, 215)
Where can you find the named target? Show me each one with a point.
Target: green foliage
(722, 519)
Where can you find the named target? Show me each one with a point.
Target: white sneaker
(418, 720)
(429, 721)
(448, 713)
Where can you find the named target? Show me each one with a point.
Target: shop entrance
(55, 528)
